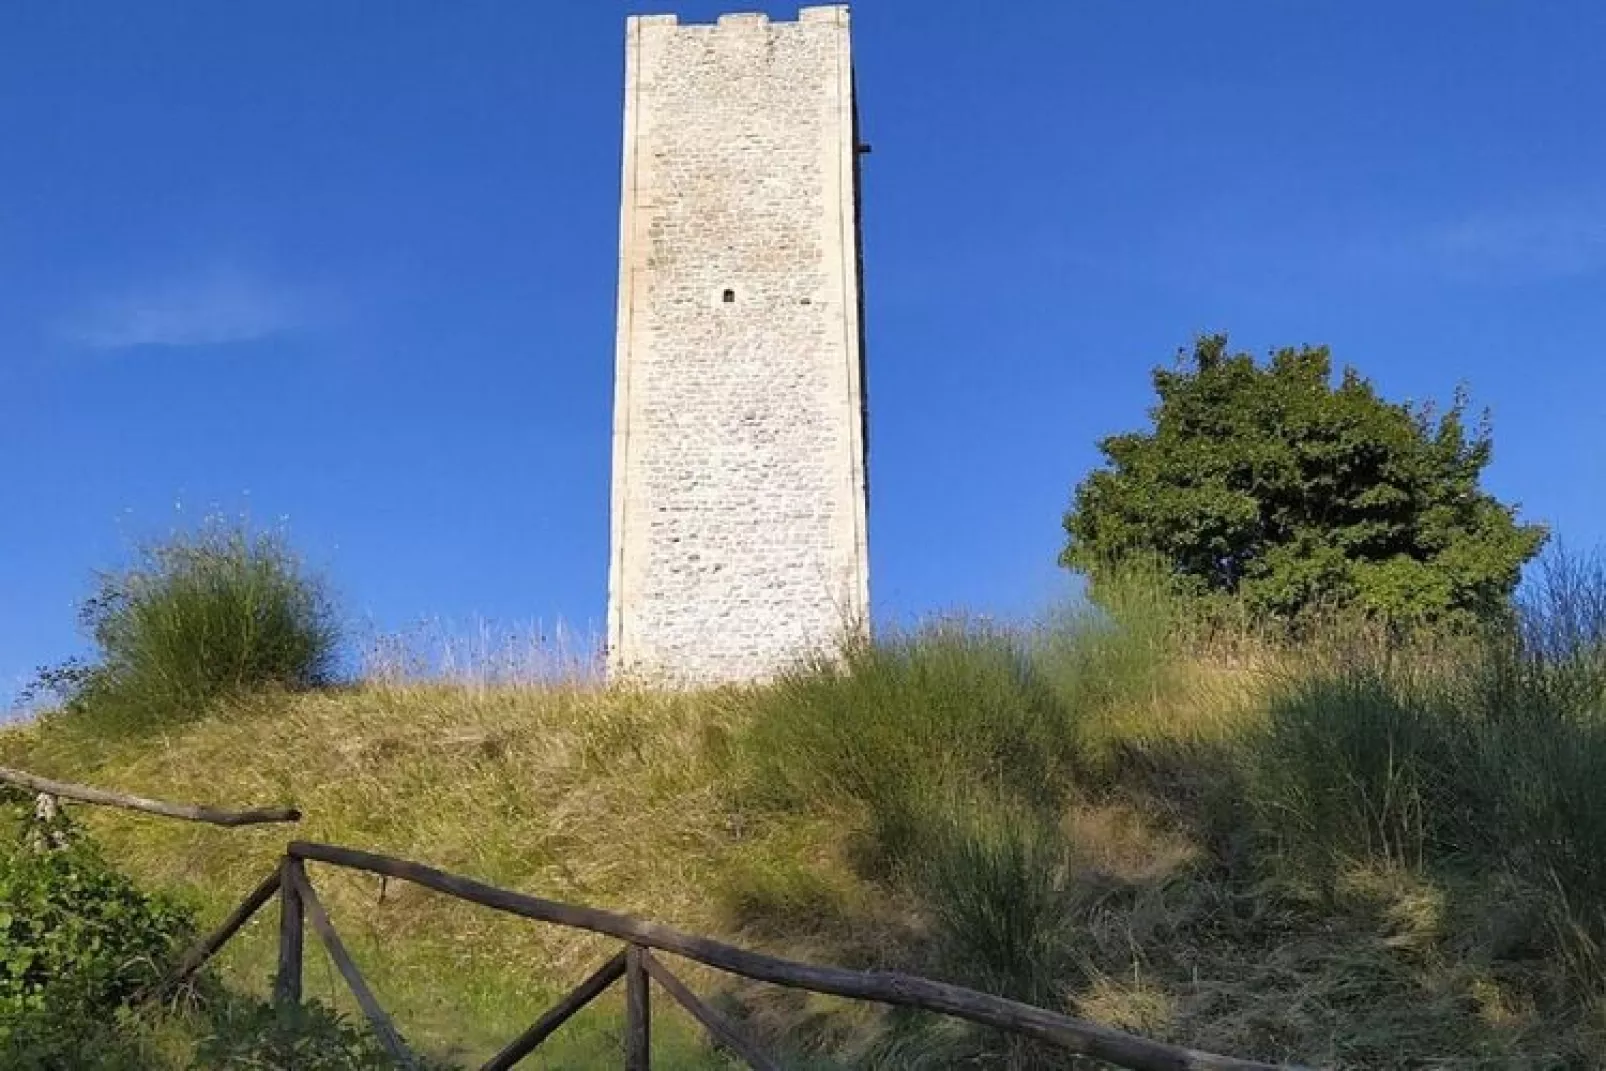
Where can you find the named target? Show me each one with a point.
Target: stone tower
(739, 497)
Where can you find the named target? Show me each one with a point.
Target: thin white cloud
(210, 308)
(1542, 241)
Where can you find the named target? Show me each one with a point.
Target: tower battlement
(834, 14)
(739, 508)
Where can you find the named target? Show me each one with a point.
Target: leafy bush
(39, 1041)
(245, 1035)
(77, 940)
(197, 618)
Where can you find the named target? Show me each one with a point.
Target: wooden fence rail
(193, 812)
(299, 904)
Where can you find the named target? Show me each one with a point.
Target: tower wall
(739, 500)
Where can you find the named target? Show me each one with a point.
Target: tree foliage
(1270, 484)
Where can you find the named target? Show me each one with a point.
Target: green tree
(1270, 484)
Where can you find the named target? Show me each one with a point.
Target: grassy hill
(587, 797)
(1352, 854)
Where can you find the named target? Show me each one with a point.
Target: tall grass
(900, 730)
(1051, 809)
(1108, 661)
(1360, 762)
(949, 758)
(1490, 757)
(1543, 749)
(201, 616)
(483, 655)
(996, 881)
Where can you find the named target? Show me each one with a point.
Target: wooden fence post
(292, 932)
(638, 1013)
(721, 1029)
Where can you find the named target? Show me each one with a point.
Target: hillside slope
(602, 800)
(1154, 911)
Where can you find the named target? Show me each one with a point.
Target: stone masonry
(739, 500)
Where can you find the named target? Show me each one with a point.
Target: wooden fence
(638, 962)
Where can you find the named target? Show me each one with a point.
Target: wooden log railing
(639, 965)
(67, 790)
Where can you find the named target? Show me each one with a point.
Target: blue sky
(353, 265)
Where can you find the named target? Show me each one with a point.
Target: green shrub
(197, 618)
(1276, 488)
(77, 940)
(40, 1041)
(246, 1035)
